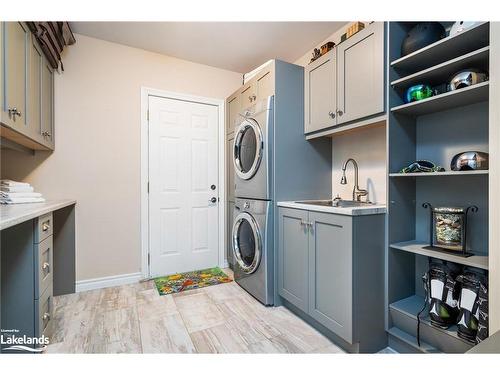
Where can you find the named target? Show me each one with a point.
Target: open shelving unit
(433, 129)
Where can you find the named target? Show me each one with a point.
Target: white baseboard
(108, 281)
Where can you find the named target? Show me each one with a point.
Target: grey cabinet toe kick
(37, 262)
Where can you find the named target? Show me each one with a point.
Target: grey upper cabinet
(34, 111)
(27, 89)
(330, 272)
(320, 90)
(15, 37)
(232, 112)
(360, 74)
(346, 84)
(293, 257)
(47, 126)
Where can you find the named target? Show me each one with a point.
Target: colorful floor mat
(181, 282)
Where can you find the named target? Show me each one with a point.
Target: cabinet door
(320, 93)
(47, 126)
(34, 110)
(360, 74)
(15, 39)
(265, 83)
(247, 95)
(330, 272)
(230, 169)
(293, 257)
(233, 110)
(229, 227)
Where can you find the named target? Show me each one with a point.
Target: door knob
(213, 200)
(331, 114)
(212, 187)
(340, 113)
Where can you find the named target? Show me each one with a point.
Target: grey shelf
(436, 337)
(442, 102)
(438, 174)
(445, 49)
(408, 341)
(419, 247)
(441, 73)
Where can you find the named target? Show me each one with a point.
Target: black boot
(468, 320)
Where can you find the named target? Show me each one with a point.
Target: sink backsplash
(368, 148)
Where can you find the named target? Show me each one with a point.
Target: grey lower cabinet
(331, 268)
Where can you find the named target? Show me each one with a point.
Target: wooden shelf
(445, 49)
(441, 73)
(419, 247)
(445, 173)
(449, 100)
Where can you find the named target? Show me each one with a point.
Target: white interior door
(183, 166)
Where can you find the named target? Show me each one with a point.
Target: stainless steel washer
(252, 151)
(252, 248)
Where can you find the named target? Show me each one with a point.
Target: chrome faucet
(357, 193)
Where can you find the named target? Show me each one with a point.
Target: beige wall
(97, 157)
(367, 147)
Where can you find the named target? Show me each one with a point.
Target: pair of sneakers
(457, 296)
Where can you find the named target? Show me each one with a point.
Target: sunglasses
(422, 166)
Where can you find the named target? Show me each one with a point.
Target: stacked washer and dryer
(272, 162)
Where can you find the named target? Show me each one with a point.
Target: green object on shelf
(418, 92)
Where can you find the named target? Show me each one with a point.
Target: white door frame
(145, 93)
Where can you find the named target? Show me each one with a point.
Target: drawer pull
(45, 266)
(45, 226)
(46, 316)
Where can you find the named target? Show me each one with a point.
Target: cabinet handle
(45, 266)
(46, 316)
(254, 97)
(13, 112)
(339, 112)
(46, 134)
(331, 114)
(45, 226)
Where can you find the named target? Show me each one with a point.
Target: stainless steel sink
(337, 203)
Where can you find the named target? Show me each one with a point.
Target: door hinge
(148, 187)
(147, 114)
(149, 259)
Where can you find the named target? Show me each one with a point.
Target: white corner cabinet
(331, 273)
(26, 89)
(346, 84)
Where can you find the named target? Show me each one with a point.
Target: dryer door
(247, 242)
(248, 149)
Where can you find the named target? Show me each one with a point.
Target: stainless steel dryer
(252, 149)
(252, 243)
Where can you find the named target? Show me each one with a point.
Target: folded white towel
(21, 200)
(4, 194)
(13, 183)
(16, 189)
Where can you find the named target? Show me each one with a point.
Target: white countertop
(349, 211)
(13, 214)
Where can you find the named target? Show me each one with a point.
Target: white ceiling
(236, 46)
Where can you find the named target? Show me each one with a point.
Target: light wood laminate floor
(217, 319)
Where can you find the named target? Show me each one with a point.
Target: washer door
(248, 149)
(247, 243)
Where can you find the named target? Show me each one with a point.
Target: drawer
(44, 309)
(43, 265)
(43, 227)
